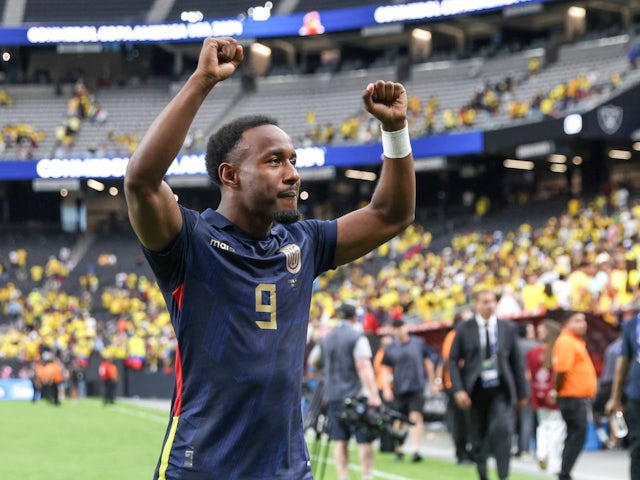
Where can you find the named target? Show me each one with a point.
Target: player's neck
(250, 224)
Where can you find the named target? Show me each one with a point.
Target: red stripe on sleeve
(178, 403)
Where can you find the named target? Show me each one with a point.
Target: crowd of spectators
(585, 259)
(22, 137)
(492, 99)
(5, 99)
(125, 320)
(82, 106)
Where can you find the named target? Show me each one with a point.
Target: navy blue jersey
(240, 310)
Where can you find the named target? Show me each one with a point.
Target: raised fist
(219, 58)
(387, 101)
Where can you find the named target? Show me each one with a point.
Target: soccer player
(238, 279)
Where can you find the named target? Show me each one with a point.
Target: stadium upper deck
(453, 85)
(142, 11)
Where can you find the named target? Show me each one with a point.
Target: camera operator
(345, 357)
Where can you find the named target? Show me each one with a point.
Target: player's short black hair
(226, 138)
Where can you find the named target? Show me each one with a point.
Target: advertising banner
(16, 389)
(184, 165)
(295, 24)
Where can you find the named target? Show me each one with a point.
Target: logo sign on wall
(16, 389)
(609, 118)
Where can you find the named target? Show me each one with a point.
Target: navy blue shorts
(408, 402)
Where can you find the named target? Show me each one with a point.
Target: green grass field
(85, 440)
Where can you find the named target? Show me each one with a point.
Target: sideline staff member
(576, 384)
(490, 381)
(412, 363)
(457, 418)
(344, 354)
(238, 280)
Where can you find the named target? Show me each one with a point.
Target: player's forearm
(165, 137)
(395, 195)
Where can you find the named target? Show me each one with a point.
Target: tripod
(320, 447)
(316, 418)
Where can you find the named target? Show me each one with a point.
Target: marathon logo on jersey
(220, 245)
(610, 118)
(293, 256)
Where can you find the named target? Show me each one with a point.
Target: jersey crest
(293, 257)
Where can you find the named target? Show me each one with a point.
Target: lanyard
(493, 337)
(491, 332)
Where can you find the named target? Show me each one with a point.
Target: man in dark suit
(488, 378)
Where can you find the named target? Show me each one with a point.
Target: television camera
(356, 412)
(374, 421)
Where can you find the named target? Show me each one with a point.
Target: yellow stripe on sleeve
(166, 451)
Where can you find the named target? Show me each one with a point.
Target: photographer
(345, 357)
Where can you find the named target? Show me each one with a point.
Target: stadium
(524, 119)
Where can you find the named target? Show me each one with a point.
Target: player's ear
(228, 174)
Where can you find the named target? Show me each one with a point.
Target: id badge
(489, 373)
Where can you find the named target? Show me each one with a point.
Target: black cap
(346, 310)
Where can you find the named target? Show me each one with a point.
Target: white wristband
(396, 144)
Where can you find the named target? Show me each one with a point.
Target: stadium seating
(37, 105)
(212, 9)
(333, 97)
(138, 11)
(308, 5)
(75, 11)
(125, 247)
(41, 243)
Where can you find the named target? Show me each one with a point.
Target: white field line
(376, 473)
(163, 420)
(137, 413)
(355, 467)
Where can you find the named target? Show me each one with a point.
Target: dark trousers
(50, 392)
(109, 391)
(491, 423)
(457, 424)
(574, 413)
(632, 415)
(525, 421)
(37, 392)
